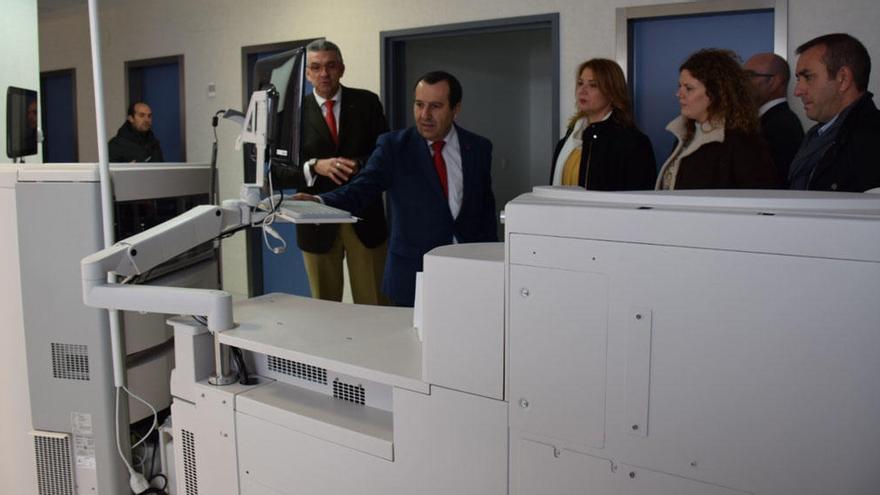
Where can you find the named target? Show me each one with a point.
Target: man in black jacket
(780, 127)
(340, 127)
(840, 152)
(135, 141)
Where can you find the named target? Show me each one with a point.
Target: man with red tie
(340, 127)
(438, 184)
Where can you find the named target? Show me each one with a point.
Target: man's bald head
(769, 74)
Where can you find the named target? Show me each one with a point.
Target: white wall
(19, 54)
(210, 34)
(20, 68)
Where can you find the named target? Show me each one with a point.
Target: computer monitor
(21, 122)
(283, 73)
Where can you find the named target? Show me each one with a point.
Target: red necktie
(331, 121)
(440, 165)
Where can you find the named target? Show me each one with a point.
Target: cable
(136, 480)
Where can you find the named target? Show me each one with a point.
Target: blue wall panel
(660, 45)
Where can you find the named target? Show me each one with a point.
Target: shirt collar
(336, 98)
(770, 104)
(451, 139)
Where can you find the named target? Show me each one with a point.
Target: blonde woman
(602, 148)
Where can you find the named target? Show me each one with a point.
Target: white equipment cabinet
(58, 412)
(696, 343)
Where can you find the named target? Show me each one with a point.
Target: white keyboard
(313, 212)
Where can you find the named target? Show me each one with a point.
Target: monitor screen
(285, 73)
(21, 122)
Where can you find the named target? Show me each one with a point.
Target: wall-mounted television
(21, 122)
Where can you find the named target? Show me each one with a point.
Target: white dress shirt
(770, 104)
(454, 177)
(337, 100)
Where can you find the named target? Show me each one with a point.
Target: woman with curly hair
(602, 149)
(719, 145)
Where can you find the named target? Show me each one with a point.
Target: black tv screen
(21, 122)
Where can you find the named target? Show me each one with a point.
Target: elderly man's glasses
(752, 73)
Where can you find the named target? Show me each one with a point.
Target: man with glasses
(780, 127)
(340, 127)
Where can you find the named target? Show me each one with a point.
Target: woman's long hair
(728, 89)
(612, 84)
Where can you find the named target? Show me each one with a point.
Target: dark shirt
(129, 145)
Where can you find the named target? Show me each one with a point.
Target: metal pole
(117, 338)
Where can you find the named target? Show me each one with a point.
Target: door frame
(625, 15)
(55, 73)
(393, 51)
(137, 92)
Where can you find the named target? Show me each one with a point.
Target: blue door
(158, 83)
(660, 45)
(58, 102)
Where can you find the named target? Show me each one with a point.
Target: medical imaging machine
(615, 343)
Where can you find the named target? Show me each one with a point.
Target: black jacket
(783, 131)
(613, 158)
(130, 145)
(852, 162)
(362, 120)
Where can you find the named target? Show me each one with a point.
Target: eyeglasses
(752, 73)
(330, 66)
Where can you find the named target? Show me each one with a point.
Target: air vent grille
(54, 470)
(349, 392)
(299, 370)
(189, 463)
(70, 361)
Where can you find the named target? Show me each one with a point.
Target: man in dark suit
(780, 127)
(340, 127)
(839, 153)
(438, 184)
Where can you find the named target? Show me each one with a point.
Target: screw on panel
(635, 427)
(632, 475)
(693, 464)
(523, 403)
(638, 317)
(524, 292)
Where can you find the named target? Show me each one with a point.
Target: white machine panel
(748, 371)
(558, 343)
(463, 320)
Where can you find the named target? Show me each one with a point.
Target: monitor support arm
(144, 251)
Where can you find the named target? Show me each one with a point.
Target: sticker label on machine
(83, 439)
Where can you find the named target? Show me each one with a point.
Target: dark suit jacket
(783, 131)
(402, 166)
(361, 121)
(850, 164)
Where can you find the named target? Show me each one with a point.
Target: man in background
(340, 127)
(135, 141)
(840, 152)
(780, 127)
